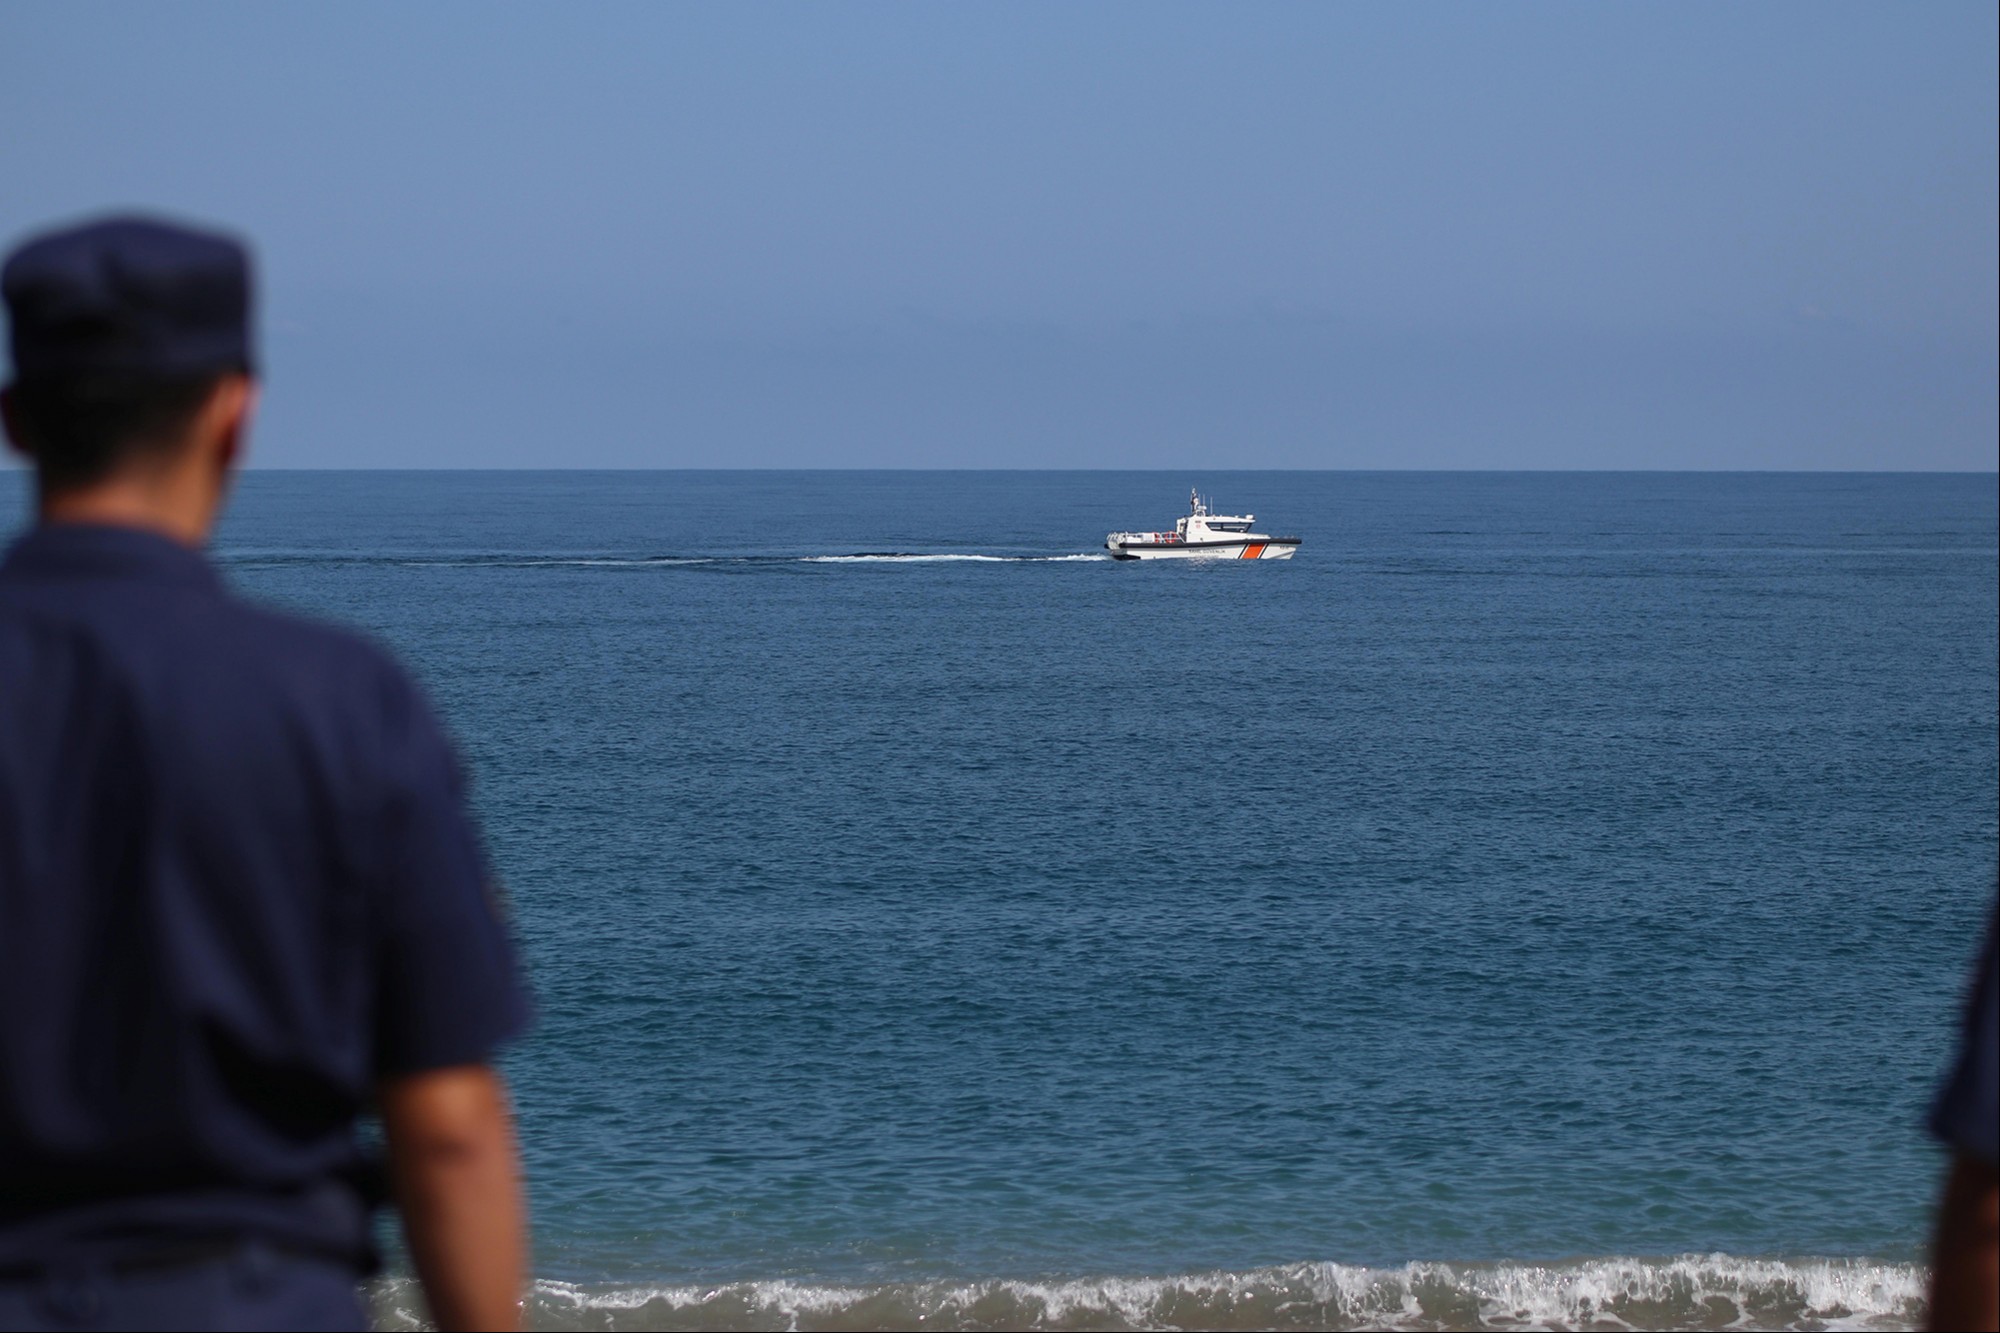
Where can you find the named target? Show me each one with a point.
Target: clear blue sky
(1052, 235)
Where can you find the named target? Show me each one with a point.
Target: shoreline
(1690, 1291)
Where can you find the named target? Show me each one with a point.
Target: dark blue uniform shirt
(1967, 1112)
(237, 888)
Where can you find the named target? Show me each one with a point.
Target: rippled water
(1540, 877)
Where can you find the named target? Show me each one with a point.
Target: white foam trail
(260, 559)
(895, 559)
(915, 559)
(609, 562)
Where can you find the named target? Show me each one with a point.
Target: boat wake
(1714, 1291)
(908, 558)
(247, 559)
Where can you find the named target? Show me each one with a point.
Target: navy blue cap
(129, 295)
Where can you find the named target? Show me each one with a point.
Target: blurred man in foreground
(1965, 1283)
(240, 898)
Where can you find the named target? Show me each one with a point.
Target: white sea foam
(1715, 1291)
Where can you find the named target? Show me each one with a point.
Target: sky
(1116, 235)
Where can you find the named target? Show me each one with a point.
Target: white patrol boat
(1202, 536)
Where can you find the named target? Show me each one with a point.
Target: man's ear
(225, 418)
(10, 417)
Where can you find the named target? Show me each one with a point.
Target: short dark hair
(82, 427)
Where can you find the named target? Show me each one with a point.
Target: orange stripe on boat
(1252, 552)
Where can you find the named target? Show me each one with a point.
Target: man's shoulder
(1967, 1111)
(205, 646)
(288, 636)
(315, 660)
(139, 596)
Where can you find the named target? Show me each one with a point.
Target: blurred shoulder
(315, 658)
(308, 640)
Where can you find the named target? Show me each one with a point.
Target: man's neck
(151, 505)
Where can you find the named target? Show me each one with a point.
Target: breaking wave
(1714, 1291)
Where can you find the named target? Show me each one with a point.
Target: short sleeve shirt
(1967, 1112)
(238, 888)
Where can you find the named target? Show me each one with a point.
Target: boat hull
(1273, 548)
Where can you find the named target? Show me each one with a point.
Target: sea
(1546, 901)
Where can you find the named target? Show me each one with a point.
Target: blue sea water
(1545, 898)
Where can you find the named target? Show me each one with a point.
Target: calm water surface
(1541, 873)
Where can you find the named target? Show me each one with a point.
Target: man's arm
(458, 1181)
(1965, 1279)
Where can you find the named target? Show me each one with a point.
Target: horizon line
(11, 466)
(1587, 471)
